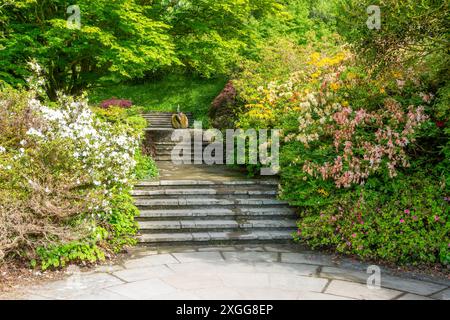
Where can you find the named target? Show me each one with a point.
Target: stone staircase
(163, 150)
(160, 140)
(163, 119)
(201, 211)
(202, 204)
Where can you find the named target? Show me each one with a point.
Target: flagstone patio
(234, 272)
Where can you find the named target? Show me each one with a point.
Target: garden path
(280, 272)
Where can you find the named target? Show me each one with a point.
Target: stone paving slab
(320, 296)
(212, 267)
(218, 293)
(220, 248)
(290, 268)
(231, 272)
(152, 260)
(344, 274)
(142, 290)
(299, 283)
(177, 295)
(268, 294)
(193, 281)
(101, 295)
(410, 296)
(254, 248)
(410, 285)
(245, 280)
(443, 295)
(198, 256)
(137, 274)
(71, 287)
(251, 256)
(360, 291)
(317, 259)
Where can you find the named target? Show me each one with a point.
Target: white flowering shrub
(106, 151)
(65, 176)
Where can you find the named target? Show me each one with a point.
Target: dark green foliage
(117, 40)
(210, 35)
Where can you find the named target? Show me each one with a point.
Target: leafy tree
(211, 35)
(299, 20)
(410, 29)
(117, 40)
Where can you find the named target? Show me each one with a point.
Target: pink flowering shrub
(114, 102)
(222, 111)
(360, 140)
(366, 142)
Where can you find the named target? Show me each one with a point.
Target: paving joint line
(403, 293)
(173, 256)
(318, 272)
(326, 286)
(117, 277)
(437, 292)
(222, 255)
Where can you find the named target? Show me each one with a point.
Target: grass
(191, 94)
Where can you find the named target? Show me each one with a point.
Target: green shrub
(65, 179)
(145, 167)
(58, 256)
(120, 223)
(403, 220)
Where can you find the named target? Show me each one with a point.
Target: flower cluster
(358, 141)
(361, 152)
(106, 151)
(298, 94)
(114, 102)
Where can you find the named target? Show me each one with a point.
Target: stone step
(168, 114)
(179, 151)
(173, 143)
(163, 115)
(163, 120)
(177, 161)
(164, 112)
(217, 212)
(159, 118)
(209, 237)
(214, 225)
(170, 146)
(176, 155)
(201, 192)
(182, 159)
(160, 125)
(211, 183)
(157, 124)
(216, 201)
(184, 145)
(235, 190)
(164, 135)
